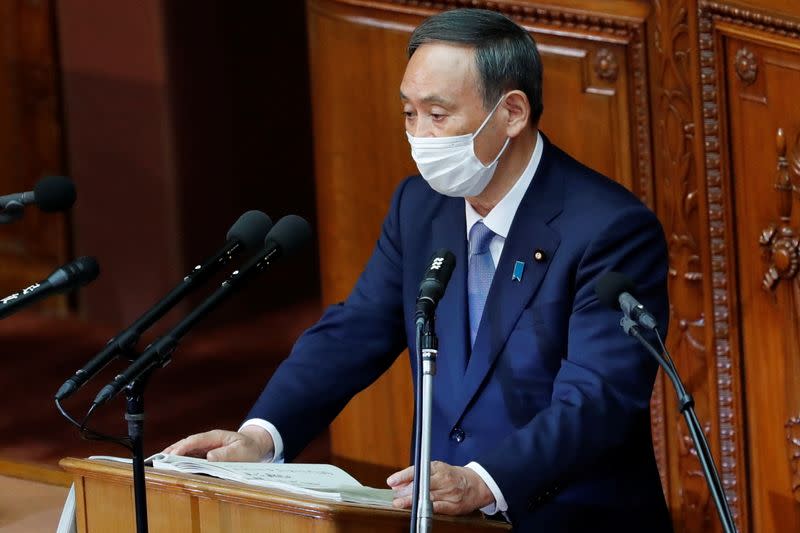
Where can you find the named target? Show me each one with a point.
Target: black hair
(505, 54)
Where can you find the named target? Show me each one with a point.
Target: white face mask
(449, 164)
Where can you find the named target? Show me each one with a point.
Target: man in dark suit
(541, 405)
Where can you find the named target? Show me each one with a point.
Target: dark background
(173, 118)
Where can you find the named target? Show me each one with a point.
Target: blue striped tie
(479, 278)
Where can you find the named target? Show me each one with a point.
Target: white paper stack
(325, 482)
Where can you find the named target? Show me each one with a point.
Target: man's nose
(422, 128)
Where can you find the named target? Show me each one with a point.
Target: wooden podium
(200, 504)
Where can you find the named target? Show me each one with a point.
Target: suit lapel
(449, 231)
(507, 298)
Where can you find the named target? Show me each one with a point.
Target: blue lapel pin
(519, 266)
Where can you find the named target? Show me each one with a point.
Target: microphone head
(54, 193)
(289, 234)
(250, 230)
(76, 273)
(440, 269)
(434, 283)
(610, 286)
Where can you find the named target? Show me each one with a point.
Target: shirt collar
(500, 218)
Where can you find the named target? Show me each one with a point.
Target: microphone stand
(134, 414)
(422, 468)
(686, 407)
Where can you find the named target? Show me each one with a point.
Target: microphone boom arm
(686, 407)
(159, 353)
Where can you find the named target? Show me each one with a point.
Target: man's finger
(201, 442)
(225, 453)
(398, 478)
(403, 490)
(402, 503)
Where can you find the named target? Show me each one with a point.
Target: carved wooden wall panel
(690, 209)
(761, 73)
(679, 206)
(593, 63)
(30, 141)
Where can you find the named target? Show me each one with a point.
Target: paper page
(368, 496)
(308, 476)
(67, 523)
(320, 481)
(127, 460)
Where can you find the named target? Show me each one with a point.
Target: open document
(325, 482)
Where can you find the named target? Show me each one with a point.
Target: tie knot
(479, 238)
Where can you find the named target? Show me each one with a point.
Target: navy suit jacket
(553, 400)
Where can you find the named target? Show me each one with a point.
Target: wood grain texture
(360, 155)
(178, 502)
(34, 472)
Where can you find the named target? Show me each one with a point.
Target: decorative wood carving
(749, 18)
(779, 241)
(678, 209)
(696, 500)
(641, 101)
(781, 252)
(658, 430)
(731, 464)
(793, 443)
(605, 65)
(746, 65)
(544, 14)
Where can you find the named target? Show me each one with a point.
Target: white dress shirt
(499, 221)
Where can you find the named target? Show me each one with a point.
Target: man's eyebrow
(430, 99)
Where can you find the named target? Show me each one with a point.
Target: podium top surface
(239, 493)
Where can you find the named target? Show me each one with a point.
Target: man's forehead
(437, 70)
(432, 98)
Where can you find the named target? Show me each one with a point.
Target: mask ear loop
(485, 122)
(488, 117)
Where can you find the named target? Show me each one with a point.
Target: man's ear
(519, 112)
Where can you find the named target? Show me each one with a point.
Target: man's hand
(251, 444)
(455, 490)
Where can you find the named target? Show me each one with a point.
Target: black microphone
(614, 290)
(433, 284)
(246, 234)
(50, 194)
(287, 236)
(70, 276)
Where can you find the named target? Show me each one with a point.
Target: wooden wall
(176, 123)
(31, 138)
(692, 104)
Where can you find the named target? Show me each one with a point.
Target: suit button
(458, 435)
